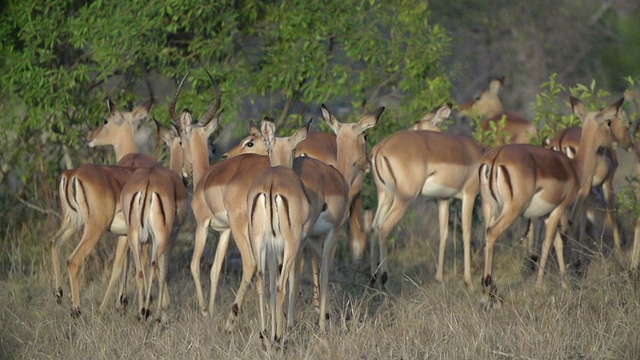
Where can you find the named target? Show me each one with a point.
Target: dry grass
(415, 319)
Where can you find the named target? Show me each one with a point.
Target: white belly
(433, 189)
(538, 207)
(118, 226)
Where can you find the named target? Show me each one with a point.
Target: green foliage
(61, 60)
(552, 103)
(495, 134)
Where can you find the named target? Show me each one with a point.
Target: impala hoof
(144, 314)
(58, 295)
(75, 312)
(123, 302)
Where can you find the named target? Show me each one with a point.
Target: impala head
(171, 137)
(487, 103)
(118, 126)
(252, 144)
(600, 122)
(434, 119)
(351, 142)
(194, 137)
(281, 149)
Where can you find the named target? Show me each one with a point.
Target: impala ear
(370, 120)
(253, 129)
(578, 108)
(167, 134)
(142, 111)
(443, 112)
(268, 130)
(212, 124)
(331, 120)
(495, 85)
(111, 106)
(611, 111)
(301, 133)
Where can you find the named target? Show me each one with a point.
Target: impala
(533, 181)
(154, 202)
(435, 164)
(321, 146)
(568, 140)
(487, 105)
(280, 215)
(329, 184)
(90, 196)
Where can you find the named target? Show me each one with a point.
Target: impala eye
(250, 144)
(609, 122)
(105, 121)
(365, 137)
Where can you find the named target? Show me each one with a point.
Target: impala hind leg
(383, 227)
(443, 220)
(327, 260)
(216, 267)
(493, 231)
(248, 269)
(551, 234)
(90, 238)
(67, 229)
(357, 231)
(200, 241)
(119, 263)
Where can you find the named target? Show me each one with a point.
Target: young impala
(533, 181)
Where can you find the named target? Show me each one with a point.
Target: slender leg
(216, 268)
(550, 233)
(200, 241)
(67, 229)
(90, 238)
(443, 219)
(327, 260)
(118, 265)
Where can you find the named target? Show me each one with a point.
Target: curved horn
(216, 106)
(172, 106)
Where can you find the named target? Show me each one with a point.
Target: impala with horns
(90, 196)
(487, 106)
(568, 141)
(437, 165)
(534, 182)
(280, 216)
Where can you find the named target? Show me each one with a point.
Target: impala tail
(269, 218)
(148, 212)
(73, 198)
(496, 179)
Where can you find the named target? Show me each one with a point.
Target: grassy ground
(415, 318)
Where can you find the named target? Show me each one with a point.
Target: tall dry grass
(415, 318)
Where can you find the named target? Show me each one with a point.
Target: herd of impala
(281, 198)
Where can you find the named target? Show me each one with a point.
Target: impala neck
(347, 166)
(124, 145)
(200, 155)
(176, 158)
(585, 159)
